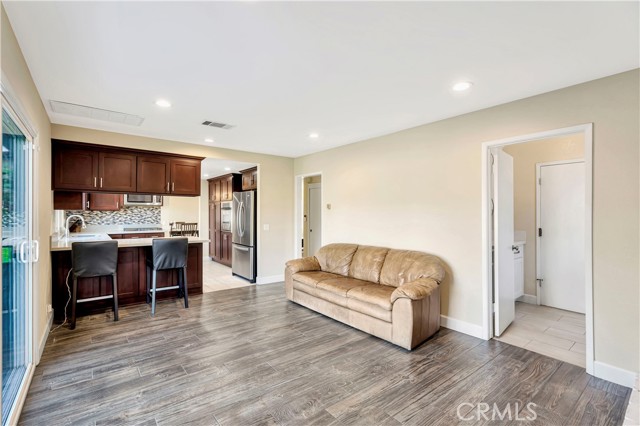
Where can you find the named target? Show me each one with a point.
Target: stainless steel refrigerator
(243, 258)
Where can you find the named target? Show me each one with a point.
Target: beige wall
(275, 186)
(525, 157)
(421, 189)
(18, 77)
(180, 209)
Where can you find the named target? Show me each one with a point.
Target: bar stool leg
(115, 296)
(148, 283)
(153, 293)
(184, 287)
(74, 298)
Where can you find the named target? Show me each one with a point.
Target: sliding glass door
(17, 259)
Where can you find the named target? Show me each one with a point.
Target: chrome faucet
(66, 228)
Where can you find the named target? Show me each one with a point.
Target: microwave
(142, 200)
(226, 215)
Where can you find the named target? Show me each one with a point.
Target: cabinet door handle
(87, 205)
(173, 186)
(100, 182)
(167, 186)
(95, 181)
(118, 205)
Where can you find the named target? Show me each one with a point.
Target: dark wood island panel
(132, 287)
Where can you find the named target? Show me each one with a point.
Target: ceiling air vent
(95, 113)
(218, 125)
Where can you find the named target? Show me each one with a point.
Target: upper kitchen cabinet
(105, 202)
(96, 168)
(249, 179)
(185, 176)
(75, 168)
(153, 174)
(117, 172)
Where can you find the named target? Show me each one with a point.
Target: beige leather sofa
(391, 294)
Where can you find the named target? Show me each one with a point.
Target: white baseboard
(270, 280)
(528, 298)
(461, 326)
(614, 374)
(44, 337)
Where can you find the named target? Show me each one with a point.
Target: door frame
(538, 171)
(14, 108)
(298, 230)
(487, 292)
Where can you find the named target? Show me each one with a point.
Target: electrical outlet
(49, 309)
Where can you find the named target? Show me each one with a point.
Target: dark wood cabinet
(75, 168)
(221, 189)
(105, 202)
(117, 172)
(70, 200)
(137, 235)
(226, 249)
(185, 177)
(153, 175)
(96, 168)
(249, 179)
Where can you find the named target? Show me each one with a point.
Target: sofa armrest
(303, 264)
(415, 290)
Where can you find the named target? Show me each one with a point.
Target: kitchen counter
(63, 244)
(132, 274)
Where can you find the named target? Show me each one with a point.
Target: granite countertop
(62, 244)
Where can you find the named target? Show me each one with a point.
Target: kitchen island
(132, 273)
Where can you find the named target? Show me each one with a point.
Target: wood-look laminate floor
(248, 356)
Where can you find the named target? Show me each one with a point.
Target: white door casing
(315, 218)
(504, 286)
(560, 216)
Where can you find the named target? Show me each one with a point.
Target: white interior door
(561, 197)
(315, 219)
(503, 269)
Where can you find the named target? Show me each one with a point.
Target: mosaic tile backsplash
(125, 216)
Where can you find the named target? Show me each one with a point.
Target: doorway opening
(308, 235)
(537, 212)
(228, 218)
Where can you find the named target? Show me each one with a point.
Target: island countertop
(63, 244)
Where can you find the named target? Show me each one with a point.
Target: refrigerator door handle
(243, 217)
(239, 248)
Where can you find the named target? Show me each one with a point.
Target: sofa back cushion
(404, 266)
(336, 258)
(367, 263)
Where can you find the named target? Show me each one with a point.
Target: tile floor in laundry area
(216, 276)
(548, 331)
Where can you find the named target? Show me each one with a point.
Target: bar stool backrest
(94, 259)
(169, 253)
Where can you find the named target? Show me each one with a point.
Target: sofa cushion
(403, 266)
(336, 258)
(313, 277)
(341, 285)
(369, 309)
(377, 294)
(321, 294)
(367, 263)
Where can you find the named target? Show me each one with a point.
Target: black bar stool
(167, 253)
(94, 259)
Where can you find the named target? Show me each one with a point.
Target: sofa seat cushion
(378, 295)
(320, 294)
(341, 285)
(314, 277)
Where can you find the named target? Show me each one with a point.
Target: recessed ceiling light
(227, 168)
(208, 140)
(461, 86)
(163, 103)
(314, 135)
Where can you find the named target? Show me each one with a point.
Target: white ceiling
(213, 167)
(278, 71)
